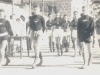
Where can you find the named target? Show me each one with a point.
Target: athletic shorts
(2, 38)
(58, 33)
(98, 36)
(37, 34)
(74, 34)
(67, 33)
(49, 32)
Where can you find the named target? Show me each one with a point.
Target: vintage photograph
(49, 37)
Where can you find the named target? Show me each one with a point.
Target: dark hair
(83, 7)
(81, 14)
(32, 13)
(49, 14)
(75, 12)
(65, 15)
(11, 16)
(36, 6)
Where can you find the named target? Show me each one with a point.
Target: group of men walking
(60, 32)
(59, 29)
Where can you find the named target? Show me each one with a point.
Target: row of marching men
(61, 31)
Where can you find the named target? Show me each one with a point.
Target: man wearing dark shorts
(5, 30)
(86, 31)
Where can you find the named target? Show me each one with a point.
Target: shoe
(58, 55)
(53, 50)
(7, 62)
(67, 50)
(89, 63)
(41, 61)
(34, 66)
(84, 66)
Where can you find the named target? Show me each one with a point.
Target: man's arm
(43, 23)
(9, 29)
(78, 27)
(92, 26)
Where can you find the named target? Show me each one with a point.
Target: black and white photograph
(49, 37)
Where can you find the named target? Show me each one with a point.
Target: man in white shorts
(49, 27)
(74, 30)
(67, 33)
(58, 32)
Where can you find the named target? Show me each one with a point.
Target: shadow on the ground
(28, 66)
(96, 63)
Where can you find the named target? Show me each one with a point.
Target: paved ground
(53, 65)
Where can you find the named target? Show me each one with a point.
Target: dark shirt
(49, 24)
(85, 27)
(74, 24)
(66, 26)
(5, 27)
(98, 26)
(37, 22)
(58, 22)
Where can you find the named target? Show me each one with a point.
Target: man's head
(50, 16)
(84, 10)
(65, 17)
(75, 13)
(2, 13)
(36, 9)
(12, 16)
(57, 14)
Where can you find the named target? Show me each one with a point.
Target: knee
(2, 52)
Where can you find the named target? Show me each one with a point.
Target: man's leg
(90, 52)
(6, 56)
(50, 43)
(61, 46)
(57, 45)
(84, 55)
(3, 46)
(37, 50)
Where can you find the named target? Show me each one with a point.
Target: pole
(12, 7)
(42, 7)
(88, 2)
(29, 7)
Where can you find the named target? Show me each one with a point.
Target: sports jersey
(85, 28)
(58, 22)
(37, 22)
(66, 26)
(5, 26)
(98, 26)
(49, 24)
(74, 24)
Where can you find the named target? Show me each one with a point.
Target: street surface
(52, 64)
